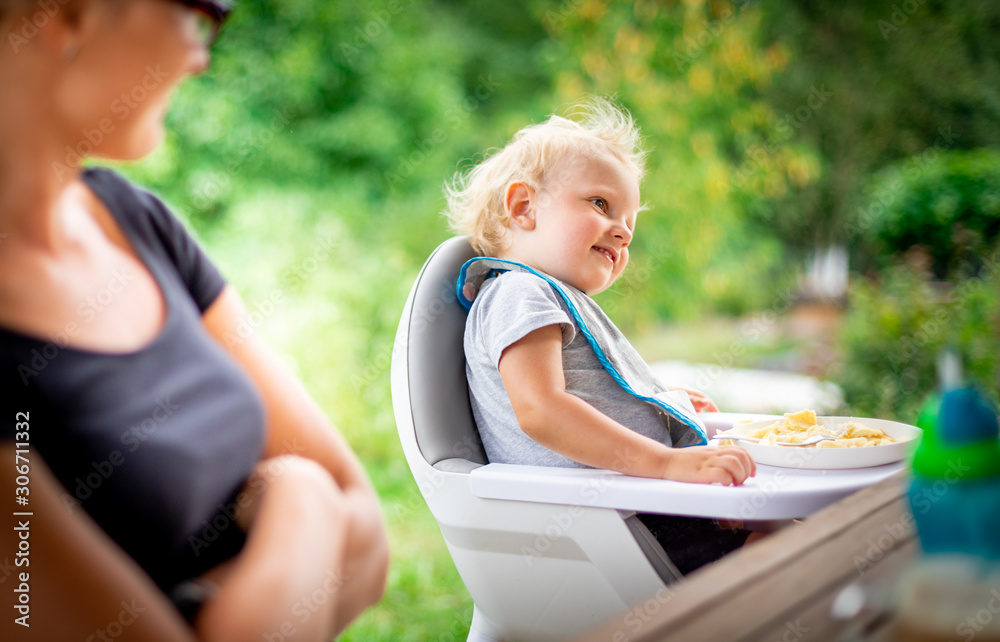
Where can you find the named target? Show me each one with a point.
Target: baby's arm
(532, 373)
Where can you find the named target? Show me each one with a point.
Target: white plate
(832, 458)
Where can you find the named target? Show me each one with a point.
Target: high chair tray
(775, 493)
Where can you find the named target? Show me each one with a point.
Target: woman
(212, 487)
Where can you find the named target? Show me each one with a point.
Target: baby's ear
(519, 204)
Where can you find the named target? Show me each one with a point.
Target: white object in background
(827, 273)
(752, 391)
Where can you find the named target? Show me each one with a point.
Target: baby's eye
(600, 203)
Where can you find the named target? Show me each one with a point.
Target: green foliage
(898, 78)
(691, 75)
(897, 327)
(947, 204)
(386, 96)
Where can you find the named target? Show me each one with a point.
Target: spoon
(815, 439)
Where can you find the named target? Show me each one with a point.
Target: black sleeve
(199, 273)
(145, 219)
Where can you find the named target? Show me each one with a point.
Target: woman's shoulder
(127, 202)
(154, 230)
(105, 176)
(143, 217)
(107, 181)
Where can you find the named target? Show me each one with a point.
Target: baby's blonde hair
(476, 196)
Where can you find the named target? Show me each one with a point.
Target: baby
(552, 381)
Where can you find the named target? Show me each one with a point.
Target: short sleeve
(203, 279)
(513, 306)
(146, 219)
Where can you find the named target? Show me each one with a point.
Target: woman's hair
(8, 7)
(476, 196)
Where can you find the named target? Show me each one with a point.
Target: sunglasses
(211, 16)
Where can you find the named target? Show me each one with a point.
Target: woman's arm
(532, 373)
(289, 578)
(80, 584)
(297, 426)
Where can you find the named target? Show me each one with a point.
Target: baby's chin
(597, 290)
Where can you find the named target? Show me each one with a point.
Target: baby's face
(585, 216)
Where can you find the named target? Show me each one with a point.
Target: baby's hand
(726, 465)
(700, 401)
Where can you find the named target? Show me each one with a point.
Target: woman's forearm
(366, 558)
(289, 577)
(296, 425)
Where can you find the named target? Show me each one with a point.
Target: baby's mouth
(608, 253)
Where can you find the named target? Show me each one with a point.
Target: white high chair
(547, 553)
(535, 571)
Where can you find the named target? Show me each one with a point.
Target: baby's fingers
(716, 474)
(737, 463)
(746, 461)
(700, 401)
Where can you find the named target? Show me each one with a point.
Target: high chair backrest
(439, 395)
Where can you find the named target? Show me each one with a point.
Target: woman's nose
(200, 60)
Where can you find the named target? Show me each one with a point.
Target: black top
(155, 443)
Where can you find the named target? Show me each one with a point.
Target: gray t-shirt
(508, 308)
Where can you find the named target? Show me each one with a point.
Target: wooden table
(784, 587)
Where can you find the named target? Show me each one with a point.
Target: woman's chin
(136, 149)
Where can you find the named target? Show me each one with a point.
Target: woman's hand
(726, 465)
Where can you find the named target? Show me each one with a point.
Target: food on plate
(796, 427)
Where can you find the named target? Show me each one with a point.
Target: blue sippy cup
(955, 490)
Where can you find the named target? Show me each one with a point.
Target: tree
(899, 78)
